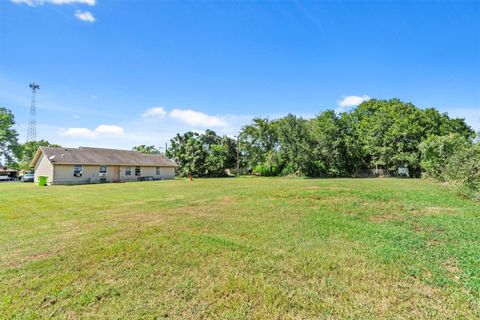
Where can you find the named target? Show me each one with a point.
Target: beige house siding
(63, 174)
(43, 167)
(165, 173)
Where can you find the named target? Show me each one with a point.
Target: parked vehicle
(4, 178)
(28, 177)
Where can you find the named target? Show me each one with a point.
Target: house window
(77, 170)
(137, 171)
(157, 171)
(103, 170)
(128, 171)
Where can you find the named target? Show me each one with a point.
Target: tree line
(386, 134)
(377, 134)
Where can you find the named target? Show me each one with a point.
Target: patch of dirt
(453, 270)
(433, 211)
(385, 217)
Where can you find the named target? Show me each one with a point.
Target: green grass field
(262, 248)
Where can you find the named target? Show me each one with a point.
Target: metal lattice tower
(32, 123)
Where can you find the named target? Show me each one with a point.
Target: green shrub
(436, 152)
(464, 167)
(454, 159)
(265, 170)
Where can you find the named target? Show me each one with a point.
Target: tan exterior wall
(63, 174)
(43, 167)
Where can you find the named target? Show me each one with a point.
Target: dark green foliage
(217, 160)
(9, 147)
(390, 131)
(297, 147)
(202, 155)
(259, 142)
(337, 150)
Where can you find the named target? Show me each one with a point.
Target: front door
(116, 173)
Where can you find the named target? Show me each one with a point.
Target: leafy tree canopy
(9, 147)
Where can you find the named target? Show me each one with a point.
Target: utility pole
(32, 123)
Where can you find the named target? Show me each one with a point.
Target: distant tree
(188, 152)
(390, 131)
(259, 143)
(386, 133)
(202, 154)
(209, 138)
(335, 145)
(146, 149)
(217, 160)
(9, 147)
(231, 145)
(296, 147)
(28, 150)
(194, 158)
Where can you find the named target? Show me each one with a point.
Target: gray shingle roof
(87, 155)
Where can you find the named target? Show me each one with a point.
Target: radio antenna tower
(32, 124)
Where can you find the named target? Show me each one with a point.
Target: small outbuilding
(7, 174)
(96, 165)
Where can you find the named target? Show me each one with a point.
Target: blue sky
(123, 73)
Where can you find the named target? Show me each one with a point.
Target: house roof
(101, 156)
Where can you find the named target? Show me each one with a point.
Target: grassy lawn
(263, 248)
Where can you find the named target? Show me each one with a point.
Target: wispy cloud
(100, 131)
(196, 118)
(156, 112)
(34, 3)
(86, 16)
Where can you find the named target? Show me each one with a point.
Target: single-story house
(96, 165)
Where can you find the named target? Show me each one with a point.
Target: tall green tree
(335, 146)
(259, 143)
(297, 147)
(9, 147)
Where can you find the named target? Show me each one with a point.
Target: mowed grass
(261, 248)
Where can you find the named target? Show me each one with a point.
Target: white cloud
(106, 129)
(34, 3)
(101, 131)
(350, 101)
(196, 118)
(86, 16)
(158, 112)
